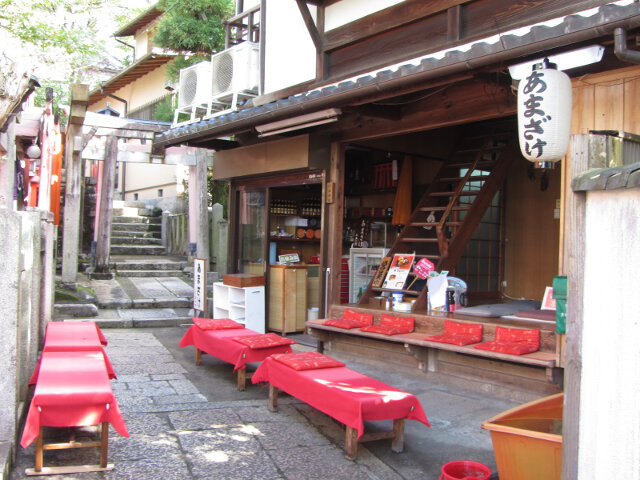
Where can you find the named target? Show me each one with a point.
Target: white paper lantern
(544, 113)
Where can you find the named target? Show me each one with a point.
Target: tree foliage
(193, 26)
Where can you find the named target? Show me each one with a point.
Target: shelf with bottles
(309, 206)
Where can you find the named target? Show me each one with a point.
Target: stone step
(127, 234)
(130, 219)
(135, 227)
(149, 273)
(151, 265)
(131, 240)
(137, 250)
(137, 212)
(137, 318)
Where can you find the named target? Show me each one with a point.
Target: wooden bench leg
(104, 444)
(397, 444)
(351, 443)
(273, 398)
(39, 455)
(198, 356)
(242, 379)
(320, 346)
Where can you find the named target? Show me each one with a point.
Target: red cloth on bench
(458, 333)
(307, 360)
(220, 344)
(264, 340)
(216, 323)
(515, 341)
(351, 319)
(343, 394)
(391, 325)
(73, 390)
(73, 337)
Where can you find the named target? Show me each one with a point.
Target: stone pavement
(189, 422)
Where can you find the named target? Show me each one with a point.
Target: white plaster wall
(347, 11)
(610, 390)
(290, 57)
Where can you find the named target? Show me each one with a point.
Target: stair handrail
(443, 243)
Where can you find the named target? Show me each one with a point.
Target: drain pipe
(104, 92)
(620, 47)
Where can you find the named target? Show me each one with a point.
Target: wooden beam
(311, 26)
(454, 23)
(457, 105)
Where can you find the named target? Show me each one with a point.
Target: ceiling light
(564, 61)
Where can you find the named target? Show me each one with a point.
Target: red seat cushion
(351, 319)
(458, 333)
(307, 360)
(391, 325)
(364, 318)
(514, 341)
(265, 340)
(216, 323)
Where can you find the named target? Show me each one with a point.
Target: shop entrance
(279, 224)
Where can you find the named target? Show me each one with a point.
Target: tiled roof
(500, 48)
(142, 20)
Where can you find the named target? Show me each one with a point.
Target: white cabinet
(243, 305)
(363, 263)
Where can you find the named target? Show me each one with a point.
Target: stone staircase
(136, 230)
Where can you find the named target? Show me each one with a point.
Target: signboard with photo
(398, 271)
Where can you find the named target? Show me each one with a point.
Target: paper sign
(438, 292)
(288, 258)
(398, 271)
(423, 267)
(548, 302)
(199, 284)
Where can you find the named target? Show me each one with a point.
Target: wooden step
(434, 224)
(442, 209)
(473, 178)
(417, 240)
(464, 193)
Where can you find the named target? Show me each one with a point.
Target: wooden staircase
(453, 205)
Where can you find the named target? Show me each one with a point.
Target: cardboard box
(242, 280)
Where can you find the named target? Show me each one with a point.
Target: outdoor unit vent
(235, 70)
(195, 85)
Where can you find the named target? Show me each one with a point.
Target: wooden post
(198, 356)
(39, 448)
(351, 443)
(106, 204)
(104, 444)
(273, 398)
(575, 237)
(397, 444)
(242, 379)
(7, 168)
(73, 188)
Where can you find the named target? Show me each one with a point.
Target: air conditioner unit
(195, 85)
(235, 70)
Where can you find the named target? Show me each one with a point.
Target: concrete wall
(26, 283)
(609, 413)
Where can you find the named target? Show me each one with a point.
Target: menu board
(398, 271)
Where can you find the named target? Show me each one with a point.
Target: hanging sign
(544, 113)
(200, 284)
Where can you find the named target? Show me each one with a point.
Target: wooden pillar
(73, 189)
(106, 205)
(332, 218)
(575, 237)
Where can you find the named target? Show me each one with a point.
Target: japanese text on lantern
(534, 90)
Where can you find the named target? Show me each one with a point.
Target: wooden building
(424, 86)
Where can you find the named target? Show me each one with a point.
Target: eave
(142, 20)
(146, 64)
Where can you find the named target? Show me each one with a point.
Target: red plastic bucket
(465, 470)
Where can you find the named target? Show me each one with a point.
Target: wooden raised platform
(538, 371)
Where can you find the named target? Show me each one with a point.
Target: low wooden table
(220, 344)
(347, 396)
(72, 390)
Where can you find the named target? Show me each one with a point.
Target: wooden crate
(242, 280)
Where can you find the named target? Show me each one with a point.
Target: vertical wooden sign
(200, 284)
